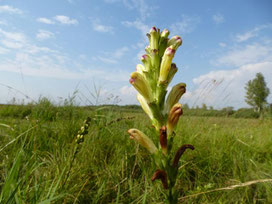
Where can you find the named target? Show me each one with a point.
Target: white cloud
(33, 49)
(12, 44)
(245, 55)
(118, 53)
(44, 34)
(10, 10)
(218, 18)
(140, 45)
(186, 25)
(39, 66)
(18, 41)
(33, 60)
(252, 33)
(141, 6)
(3, 50)
(16, 36)
(13, 40)
(112, 57)
(226, 87)
(139, 25)
(128, 91)
(65, 20)
(97, 26)
(245, 36)
(45, 20)
(59, 18)
(222, 44)
(105, 60)
(53, 66)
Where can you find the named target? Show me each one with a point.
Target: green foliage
(246, 113)
(185, 106)
(204, 107)
(257, 92)
(35, 158)
(15, 111)
(44, 110)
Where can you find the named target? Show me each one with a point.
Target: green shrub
(246, 113)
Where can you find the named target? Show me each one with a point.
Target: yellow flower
(145, 106)
(166, 63)
(175, 42)
(140, 83)
(143, 140)
(173, 97)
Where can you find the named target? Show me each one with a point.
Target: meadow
(40, 162)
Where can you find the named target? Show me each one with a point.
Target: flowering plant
(151, 81)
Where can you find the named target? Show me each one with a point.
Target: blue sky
(52, 48)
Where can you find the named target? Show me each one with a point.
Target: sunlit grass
(36, 153)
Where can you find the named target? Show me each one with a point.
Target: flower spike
(151, 80)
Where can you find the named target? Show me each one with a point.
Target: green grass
(36, 153)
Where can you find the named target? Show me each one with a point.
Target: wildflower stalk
(79, 140)
(151, 81)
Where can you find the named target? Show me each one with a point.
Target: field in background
(37, 144)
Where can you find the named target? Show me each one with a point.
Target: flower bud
(180, 152)
(163, 139)
(145, 106)
(166, 63)
(174, 95)
(173, 118)
(163, 42)
(175, 41)
(141, 85)
(154, 38)
(148, 49)
(165, 33)
(140, 68)
(172, 73)
(160, 174)
(146, 60)
(143, 140)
